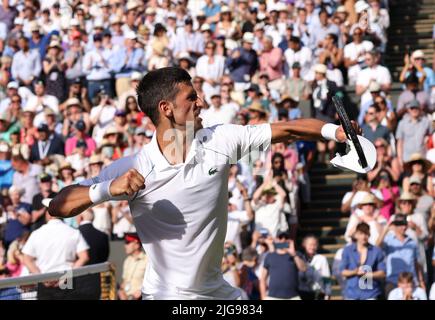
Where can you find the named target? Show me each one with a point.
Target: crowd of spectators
(68, 73)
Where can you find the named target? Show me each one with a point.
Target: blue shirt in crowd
(400, 257)
(283, 275)
(374, 262)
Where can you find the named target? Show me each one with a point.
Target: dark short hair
(158, 85)
(363, 227)
(405, 277)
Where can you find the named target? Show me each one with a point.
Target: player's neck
(174, 143)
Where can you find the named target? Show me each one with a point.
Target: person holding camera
(279, 275)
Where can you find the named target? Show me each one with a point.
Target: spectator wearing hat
(361, 262)
(54, 71)
(133, 269)
(418, 166)
(38, 41)
(26, 176)
(227, 26)
(257, 113)
(80, 135)
(424, 201)
(19, 217)
(97, 68)
(79, 160)
(295, 86)
(412, 132)
(74, 112)
(48, 143)
(116, 30)
(243, 62)
(416, 65)
(6, 170)
(39, 211)
(406, 289)
(268, 202)
(11, 90)
(401, 253)
(185, 62)
(369, 214)
(412, 92)
(323, 91)
(188, 40)
(158, 58)
(127, 59)
(26, 64)
(40, 101)
(279, 274)
(354, 54)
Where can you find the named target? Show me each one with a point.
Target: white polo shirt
(55, 246)
(181, 215)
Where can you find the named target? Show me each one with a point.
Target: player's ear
(165, 108)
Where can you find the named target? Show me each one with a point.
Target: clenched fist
(341, 135)
(127, 184)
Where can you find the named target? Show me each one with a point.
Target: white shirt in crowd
(226, 114)
(55, 246)
(236, 219)
(270, 216)
(303, 56)
(181, 216)
(355, 51)
(36, 104)
(379, 73)
(417, 294)
(105, 115)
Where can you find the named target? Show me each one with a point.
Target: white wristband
(328, 131)
(100, 192)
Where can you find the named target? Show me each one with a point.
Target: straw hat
(368, 199)
(407, 196)
(65, 165)
(417, 157)
(256, 106)
(95, 159)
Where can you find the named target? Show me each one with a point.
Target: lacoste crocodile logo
(212, 171)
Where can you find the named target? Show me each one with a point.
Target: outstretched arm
(307, 129)
(75, 199)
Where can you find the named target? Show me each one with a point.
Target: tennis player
(177, 186)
